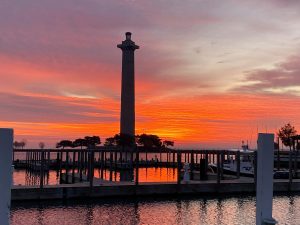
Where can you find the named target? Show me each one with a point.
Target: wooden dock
(107, 189)
(75, 167)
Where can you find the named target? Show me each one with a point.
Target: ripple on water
(180, 211)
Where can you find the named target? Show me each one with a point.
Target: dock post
(290, 170)
(222, 164)
(26, 161)
(121, 157)
(88, 164)
(67, 166)
(60, 164)
(160, 159)
(206, 161)
(29, 159)
(116, 159)
(238, 164)
(173, 158)
(218, 168)
(42, 169)
(110, 164)
(6, 150)
(91, 168)
(80, 164)
(294, 157)
(178, 167)
(278, 155)
(255, 168)
(192, 166)
(146, 156)
(48, 159)
(73, 166)
(102, 163)
(167, 158)
(57, 158)
(137, 158)
(264, 190)
(34, 160)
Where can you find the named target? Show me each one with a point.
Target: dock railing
(114, 164)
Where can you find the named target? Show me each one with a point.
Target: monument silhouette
(127, 123)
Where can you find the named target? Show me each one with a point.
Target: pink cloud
(284, 75)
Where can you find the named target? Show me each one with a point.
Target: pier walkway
(107, 189)
(75, 168)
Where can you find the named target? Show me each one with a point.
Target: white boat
(246, 163)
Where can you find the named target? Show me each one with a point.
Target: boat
(246, 162)
(247, 165)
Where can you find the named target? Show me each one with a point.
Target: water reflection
(187, 211)
(153, 174)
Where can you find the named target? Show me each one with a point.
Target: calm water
(178, 211)
(25, 177)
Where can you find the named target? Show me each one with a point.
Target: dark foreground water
(237, 210)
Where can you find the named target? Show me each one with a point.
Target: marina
(84, 141)
(65, 173)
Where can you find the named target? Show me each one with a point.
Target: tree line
(286, 134)
(19, 144)
(121, 140)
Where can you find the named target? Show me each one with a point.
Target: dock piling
(6, 151)
(264, 190)
(218, 168)
(137, 167)
(178, 167)
(238, 164)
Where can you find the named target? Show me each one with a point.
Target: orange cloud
(194, 122)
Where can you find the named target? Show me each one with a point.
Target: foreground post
(6, 151)
(264, 190)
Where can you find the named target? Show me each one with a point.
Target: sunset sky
(209, 73)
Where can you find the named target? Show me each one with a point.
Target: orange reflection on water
(157, 174)
(24, 177)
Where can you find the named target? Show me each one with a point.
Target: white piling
(264, 188)
(6, 151)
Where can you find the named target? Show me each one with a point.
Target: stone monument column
(127, 123)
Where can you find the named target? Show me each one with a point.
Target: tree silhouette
(285, 133)
(124, 140)
(23, 143)
(167, 143)
(20, 144)
(109, 142)
(92, 141)
(64, 143)
(149, 140)
(42, 145)
(16, 144)
(80, 142)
